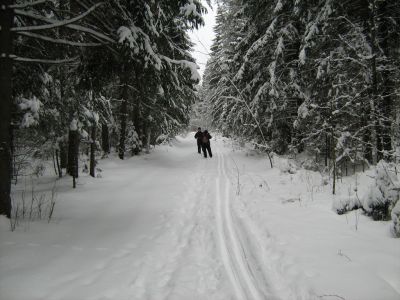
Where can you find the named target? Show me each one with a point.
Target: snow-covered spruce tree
(201, 114)
(269, 64)
(154, 52)
(329, 65)
(251, 76)
(32, 25)
(68, 97)
(224, 99)
(395, 214)
(339, 63)
(330, 114)
(383, 34)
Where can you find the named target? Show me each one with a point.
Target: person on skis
(206, 146)
(199, 136)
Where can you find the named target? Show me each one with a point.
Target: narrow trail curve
(231, 249)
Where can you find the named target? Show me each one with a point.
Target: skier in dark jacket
(198, 136)
(206, 143)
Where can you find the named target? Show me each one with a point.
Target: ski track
(191, 230)
(231, 249)
(257, 268)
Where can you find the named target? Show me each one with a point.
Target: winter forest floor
(173, 225)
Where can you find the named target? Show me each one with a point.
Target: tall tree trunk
(54, 154)
(123, 116)
(6, 42)
(387, 113)
(70, 161)
(327, 148)
(63, 156)
(93, 151)
(148, 140)
(374, 87)
(367, 155)
(105, 138)
(333, 152)
(138, 120)
(372, 118)
(386, 104)
(73, 155)
(58, 163)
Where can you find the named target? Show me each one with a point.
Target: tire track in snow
(232, 251)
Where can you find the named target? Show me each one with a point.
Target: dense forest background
(321, 76)
(80, 75)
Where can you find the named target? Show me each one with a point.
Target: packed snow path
(159, 226)
(210, 260)
(173, 225)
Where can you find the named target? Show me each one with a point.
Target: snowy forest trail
(118, 237)
(172, 225)
(149, 229)
(206, 258)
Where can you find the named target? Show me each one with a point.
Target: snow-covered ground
(173, 225)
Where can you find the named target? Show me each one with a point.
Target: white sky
(203, 38)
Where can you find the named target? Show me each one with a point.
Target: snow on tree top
(190, 9)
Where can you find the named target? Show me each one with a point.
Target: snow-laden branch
(70, 26)
(90, 31)
(58, 41)
(28, 4)
(104, 21)
(164, 112)
(260, 42)
(32, 15)
(57, 23)
(131, 35)
(185, 63)
(44, 61)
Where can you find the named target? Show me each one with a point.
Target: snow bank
(383, 194)
(287, 166)
(396, 219)
(347, 256)
(4, 224)
(342, 205)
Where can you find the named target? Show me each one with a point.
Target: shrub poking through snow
(288, 166)
(396, 219)
(383, 194)
(345, 204)
(310, 165)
